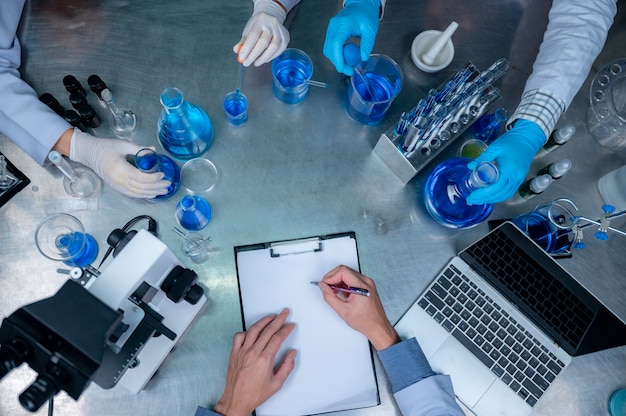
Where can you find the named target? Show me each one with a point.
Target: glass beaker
(606, 112)
(236, 107)
(193, 212)
(549, 225)
(291, 71)
(380, 76)
(184, 129)
(149, 161)
(448, 187)
(62, 237)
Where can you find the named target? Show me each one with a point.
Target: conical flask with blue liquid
(448, 187)
(488, 126)
(184, 129)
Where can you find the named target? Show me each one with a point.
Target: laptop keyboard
(491, 334)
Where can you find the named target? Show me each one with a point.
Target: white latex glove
(107, 157)
(264, 37)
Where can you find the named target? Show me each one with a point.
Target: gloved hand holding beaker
(264, 37)
(513, 152)
(107, 157)
(359, 18)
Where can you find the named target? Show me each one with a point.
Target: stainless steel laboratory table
(291, 171)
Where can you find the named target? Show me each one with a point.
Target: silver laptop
(503, 319)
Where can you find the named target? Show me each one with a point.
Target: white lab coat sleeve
(577, 30)
(432, 396)
(24, 119)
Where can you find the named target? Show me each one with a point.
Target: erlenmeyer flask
(184, 129)
(448, 187)
(193, 212)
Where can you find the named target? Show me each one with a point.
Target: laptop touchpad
(470, 377)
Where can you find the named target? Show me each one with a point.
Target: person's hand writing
(251, 378)
(362, 313)
(107, 157)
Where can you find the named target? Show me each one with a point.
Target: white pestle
(431, 55)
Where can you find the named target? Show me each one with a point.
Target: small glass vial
(556, 169)
(73, 85)
(559, 137)
(88, 116)
(97, 85)
(535, 186)
(448, 187)
(49, 100)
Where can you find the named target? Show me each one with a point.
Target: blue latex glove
(513, 152)
(359, 18)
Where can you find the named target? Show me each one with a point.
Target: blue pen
(355, 290)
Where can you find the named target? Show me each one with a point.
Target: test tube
(62, 164)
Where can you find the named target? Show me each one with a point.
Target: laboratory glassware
(535, 186)
(448, 187)
(606, 111)
(184, 129)
(71, 84)
(611, 187)
(88, 115)
(617, 403)
(199, 175)
(49, 100)
(236, 107)
(290, 72)
(369, 96)
(124, 120)
(549, 225)
(149, 161)
(193, 212)
(472, 148)
(79, 181)
(194, 245)
(62, 237)
(558, 138)
(488, 126)
(556, 169)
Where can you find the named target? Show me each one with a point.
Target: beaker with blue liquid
(448, 187)
(291, 73)
(184, 129)
(373, 87)
(549, 225)
(62, 237)
(149, 161)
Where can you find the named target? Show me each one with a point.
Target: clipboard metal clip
(286, 248)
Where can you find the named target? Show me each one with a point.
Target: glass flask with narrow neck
(184, 129)
(193, 212)
(149, 161)
(448, 187)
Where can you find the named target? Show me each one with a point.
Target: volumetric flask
(291, 71)
(62, 237)
(149, 161)
(606, 113)
(549, 225)
(380, 76)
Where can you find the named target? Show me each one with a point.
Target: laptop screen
(545, 292)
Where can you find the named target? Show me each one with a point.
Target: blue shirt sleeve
(201, 411)
(405, 364)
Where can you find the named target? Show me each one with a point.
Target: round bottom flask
(448, 187)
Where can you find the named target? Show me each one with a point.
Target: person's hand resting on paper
(251, 378)
(362, 313)
(513, 153)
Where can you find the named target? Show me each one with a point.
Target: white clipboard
(334, 367)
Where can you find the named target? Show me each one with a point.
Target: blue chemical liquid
(172, 174)
(236, 110)
(364, 107)
(291, 74)
(193, 212)
(185, 135)
(72, 244)
(445, 195)
(148, 162)
(547, 236)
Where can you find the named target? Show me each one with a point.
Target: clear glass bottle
(184, 129)
(149, 161)
(193, 212)
(488, 126)
(448, 187)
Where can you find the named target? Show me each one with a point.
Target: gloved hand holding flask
(359, 18)
(513, 153)
(107, 157)
(264, 37)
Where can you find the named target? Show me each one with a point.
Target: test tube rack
(455, 105)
